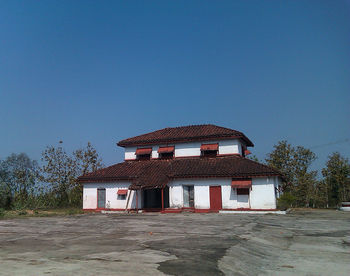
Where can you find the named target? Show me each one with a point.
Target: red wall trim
(177, 210)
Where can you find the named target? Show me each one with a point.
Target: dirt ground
(299, 243)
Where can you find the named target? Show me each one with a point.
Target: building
(200, 168)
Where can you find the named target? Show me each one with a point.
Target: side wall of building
(233, 146)
(261, 196)
(113, 200)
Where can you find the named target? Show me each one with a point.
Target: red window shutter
(242, 183)
(122, 192)
(143, 151)
(205, 147)
(166, 149)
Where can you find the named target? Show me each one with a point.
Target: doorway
(152, 198)
(215, 198)
(188, 196)
(101, 198)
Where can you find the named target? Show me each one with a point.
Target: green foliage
(2, 212)
(18, 175)
(286, 201)
(336, 177)
(294, 164)
(22, 213)
(253, 157)
(319, 199)
(61, 170)
(23, 185)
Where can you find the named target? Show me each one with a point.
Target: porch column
(137, 201)
(162, 198)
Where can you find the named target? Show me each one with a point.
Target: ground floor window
(101, 198)
(188, 196)
(122, 194)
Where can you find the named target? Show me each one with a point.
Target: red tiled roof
(157, 173)
(185, 134)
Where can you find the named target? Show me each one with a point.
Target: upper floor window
(143, 153)
(209, 150)
(166, 152)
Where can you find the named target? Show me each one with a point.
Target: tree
(5, 191)
(61, 170)
(18, 176)
(336, 175)
(86, 160)
(281, 159)
(320, 197)
(294, 164)
(253, 157)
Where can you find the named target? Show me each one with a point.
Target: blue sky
(102, 71)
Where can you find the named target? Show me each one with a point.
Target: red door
(215, 198)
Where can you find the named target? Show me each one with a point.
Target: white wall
(194, 148)
(230, 146)
(233, 146)
(130, 153)
(262, 194)
(113, 201)
(201, 191)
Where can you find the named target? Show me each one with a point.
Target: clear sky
(102, 71)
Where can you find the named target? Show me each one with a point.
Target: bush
(22, 213)
(2, 212)
(286, 201)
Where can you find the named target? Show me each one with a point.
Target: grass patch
(10, 214)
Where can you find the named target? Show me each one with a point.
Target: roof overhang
(184, 140)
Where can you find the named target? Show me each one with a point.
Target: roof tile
(157, 173)
(185, 134)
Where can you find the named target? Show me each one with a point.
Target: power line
(331, 143)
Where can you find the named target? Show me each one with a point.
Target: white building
(201, 168)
